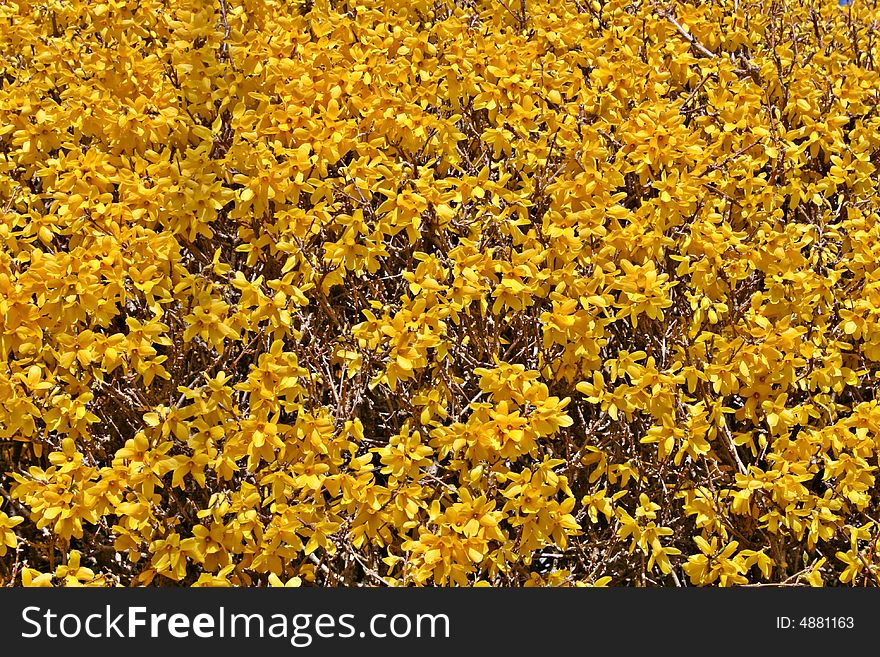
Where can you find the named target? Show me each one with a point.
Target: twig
(367, 569)
(688, 37)
(733, 156)
(13, 502)
(695, 91)
(320, 564)
(731, 446)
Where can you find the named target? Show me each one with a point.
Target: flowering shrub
(421, 292)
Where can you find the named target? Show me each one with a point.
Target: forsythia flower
(388, 293)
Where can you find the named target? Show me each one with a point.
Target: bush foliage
(506, 292)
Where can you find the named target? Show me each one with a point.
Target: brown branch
(691, 39)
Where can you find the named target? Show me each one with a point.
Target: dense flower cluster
(439, 292)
